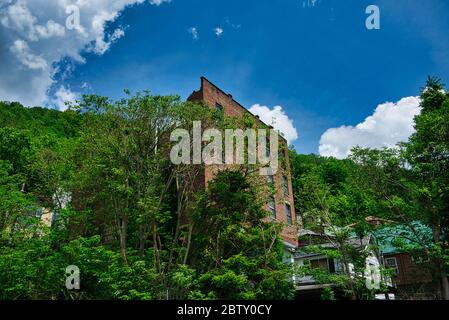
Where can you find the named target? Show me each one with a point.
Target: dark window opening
(281, 153)
(286, 189)
(391, 263)
(288, 213)
(323, 264)
(320, 264)
(267, 147)
(219, 107)
(331, 266)
(272, 207)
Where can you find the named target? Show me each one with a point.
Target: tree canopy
(133, 223)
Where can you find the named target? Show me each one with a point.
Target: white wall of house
(372, 267)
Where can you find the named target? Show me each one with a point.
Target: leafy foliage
(134, 223)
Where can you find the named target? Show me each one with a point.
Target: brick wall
(413, 281)
(211, 95)
(408, 271)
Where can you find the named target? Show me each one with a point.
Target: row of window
(219, 108)
(284, 183)
(287, 208)
(323, 264)
(272, 202)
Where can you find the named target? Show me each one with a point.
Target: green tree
(427, 152)
(238, 250)
(133, 226)
(411, 182)
(335, 205)
(15, 148)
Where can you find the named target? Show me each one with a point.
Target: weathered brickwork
(413, 281)
(211, 95)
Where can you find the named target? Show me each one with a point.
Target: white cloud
(86, 86)
(278, 119)
(390, 124)
(218, 31)
(233, 25)
(309, 3)
(102, 45)
(63, 96)
(159, 2)
(22, 51)
(194, 33)
(34, 39)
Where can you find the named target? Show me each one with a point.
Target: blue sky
(319, 62)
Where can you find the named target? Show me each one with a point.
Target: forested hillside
(122, 213)
(39, 120)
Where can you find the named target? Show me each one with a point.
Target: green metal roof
(394, 238)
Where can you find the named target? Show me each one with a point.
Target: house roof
(393, 238)
(354, 241)
(306, 232)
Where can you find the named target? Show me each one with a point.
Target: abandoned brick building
(281, 205)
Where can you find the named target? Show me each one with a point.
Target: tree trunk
(142, 241)
(353, 295)
(189, 241)
(444, 286)
(157, 257)
(122, 228)
(179, 211)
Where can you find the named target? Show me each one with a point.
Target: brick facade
(211, 95)
(411, 280)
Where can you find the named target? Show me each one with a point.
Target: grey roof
(356, 242)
